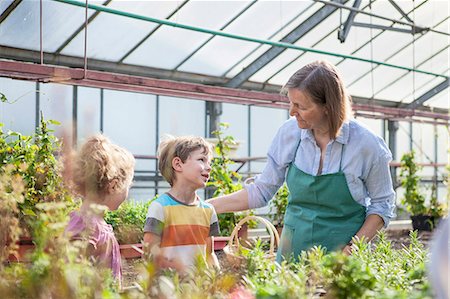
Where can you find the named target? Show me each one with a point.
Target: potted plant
(128, 224)
(424, 215)
(32, 159)
(278, 206)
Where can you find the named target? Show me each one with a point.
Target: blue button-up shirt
(365, 163)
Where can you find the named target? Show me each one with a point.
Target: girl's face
(195, 170)
(309, 115)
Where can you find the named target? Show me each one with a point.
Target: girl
(102, 175)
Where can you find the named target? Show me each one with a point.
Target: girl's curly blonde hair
(102, 167)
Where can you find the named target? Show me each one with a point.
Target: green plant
(278, 205)
(413, 200)
(223, 180)
(128, 221)
(11, 193)
(33, 159)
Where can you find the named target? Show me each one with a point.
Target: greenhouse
(208, 145)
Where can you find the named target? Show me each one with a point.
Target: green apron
(320, 211)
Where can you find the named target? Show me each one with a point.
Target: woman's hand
(348, 249)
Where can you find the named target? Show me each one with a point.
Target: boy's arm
(151, 243)
(152, 248)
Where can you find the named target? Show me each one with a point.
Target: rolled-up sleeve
(280, 155)
(380, 190)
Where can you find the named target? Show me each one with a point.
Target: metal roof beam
(146, 37)
(211, 37)
(429, 94)
(343, 32)
(9, 10)
(273, 52)
(114, 67)
(405, 15)
(141, 84)
(381, 27)
(90, 19)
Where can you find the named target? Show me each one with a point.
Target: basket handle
(274, 237)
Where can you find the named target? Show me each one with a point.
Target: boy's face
(195, 170)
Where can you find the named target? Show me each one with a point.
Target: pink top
(101, 236)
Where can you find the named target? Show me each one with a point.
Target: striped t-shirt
(183, 228)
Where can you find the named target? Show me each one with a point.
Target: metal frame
(81, 28)
(9, 10)
(273, 52)
(72, 76)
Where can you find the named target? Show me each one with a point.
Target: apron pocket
(338, 240)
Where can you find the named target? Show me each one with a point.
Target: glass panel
(352, 70)
(21, 28)
(375, 125)
(403, 140)
(282, 32)
(168, 46)
(4, 5)
(111, 36)
(265, 122)
(143, 191)
(443, 142)
(260, 21)
(56, 103)
(19, 113)
(88, 112)
(440, 100)
(431, 11)
(180, 117)
(423, 145)
(129, 119)
(237, 117)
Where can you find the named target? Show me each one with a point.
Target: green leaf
(28, 212)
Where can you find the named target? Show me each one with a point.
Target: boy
(179, 224)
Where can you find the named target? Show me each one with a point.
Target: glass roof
(126, 39)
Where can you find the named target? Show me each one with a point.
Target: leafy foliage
(224, 180)
(128, 221)
(33, 159)
(278, 205)
(413, 199)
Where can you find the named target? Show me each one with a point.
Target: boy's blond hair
(98, 163)
(180, 147)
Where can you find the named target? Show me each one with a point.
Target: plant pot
(220, 242)
(131, 251)
(424, 222)
(128, 234)
(22, 253)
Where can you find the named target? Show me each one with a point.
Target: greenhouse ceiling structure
(394, 55)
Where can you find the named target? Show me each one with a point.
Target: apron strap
(296, 149)
(342, 155)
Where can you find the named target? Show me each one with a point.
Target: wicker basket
(232, 251)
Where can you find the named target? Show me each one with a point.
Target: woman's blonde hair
(323, 83)
(100, 165)
(180, 147)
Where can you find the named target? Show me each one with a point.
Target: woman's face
(309, 115)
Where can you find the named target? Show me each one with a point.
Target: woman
(337, 171)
